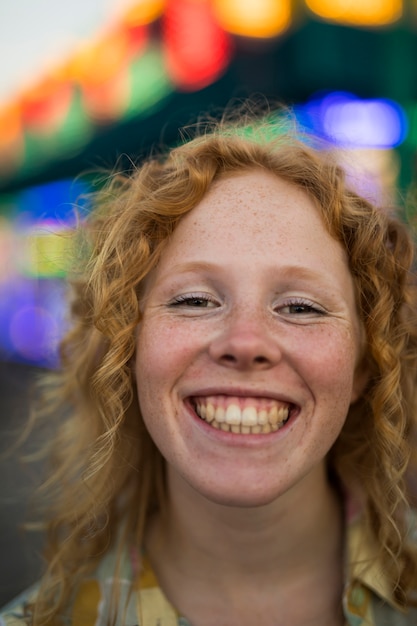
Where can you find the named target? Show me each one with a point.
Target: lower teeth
(246, 430)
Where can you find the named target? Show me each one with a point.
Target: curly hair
(107, 476)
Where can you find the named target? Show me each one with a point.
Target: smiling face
(249, 343)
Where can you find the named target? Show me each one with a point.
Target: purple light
(351, 122)
(33, 333)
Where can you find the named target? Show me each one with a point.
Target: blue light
(32, 320)
(34, 333)
(351, 122)
(54, 201)
(32, 261)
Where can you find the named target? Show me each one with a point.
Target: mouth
(245, 416)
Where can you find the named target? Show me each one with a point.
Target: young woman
(239, 398)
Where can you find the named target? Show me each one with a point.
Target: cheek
(156, 346)
(162, 354)
(329, 374)
(151, 369)
(330, 367)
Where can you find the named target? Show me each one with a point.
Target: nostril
(233, 359)
(260, 359)
(229, 358)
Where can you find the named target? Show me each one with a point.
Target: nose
(246, 344)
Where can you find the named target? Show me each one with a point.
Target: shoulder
(12, 619)
(368, 595)
(387, 615)
(92, 595)
(15, 612)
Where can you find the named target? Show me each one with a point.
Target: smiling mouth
(244, 416)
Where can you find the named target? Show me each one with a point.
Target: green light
(150, 84)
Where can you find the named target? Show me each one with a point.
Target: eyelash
(187, 298)
(204, 300)
(309, 307)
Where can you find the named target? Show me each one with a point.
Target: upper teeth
(247, 419)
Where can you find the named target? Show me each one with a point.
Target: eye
(194, 301)
(300, 308)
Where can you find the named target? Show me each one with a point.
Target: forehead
(258, 208)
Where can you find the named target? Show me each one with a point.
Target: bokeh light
(367, 123)
(254, 18)
(12, 147)
(34, 333)
(46, 104)
(358, 12)
(149, 82)
(142, 11)
(347, 120)
(371, 123)
(197, 49)
(35, 246)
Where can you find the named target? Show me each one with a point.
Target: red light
(46, 104)
(197, 50)
(137, 37)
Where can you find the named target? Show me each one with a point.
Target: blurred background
(84, 85)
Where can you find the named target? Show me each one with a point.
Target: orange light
(10, 123)
(101, 69)
(101, 60)
(143, 12)
(11, 138)
(196, 48)
(358, 12)
(254, 18)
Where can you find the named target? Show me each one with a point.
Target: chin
(240, 498)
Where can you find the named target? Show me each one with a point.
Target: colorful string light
(99, 82)
(370, 13)
(254, 18)
(197, 49)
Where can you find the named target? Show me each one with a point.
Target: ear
(360, 380)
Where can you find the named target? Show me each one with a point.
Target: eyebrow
(292, 271)
(195, 266)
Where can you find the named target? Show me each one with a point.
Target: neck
(282, 545)
(298, 524)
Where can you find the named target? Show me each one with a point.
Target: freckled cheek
(329, 375)
(331, 365)
(164, 350)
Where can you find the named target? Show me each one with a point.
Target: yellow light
(143, 12)
(47, 254)
(358, 12)
(253, 18)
